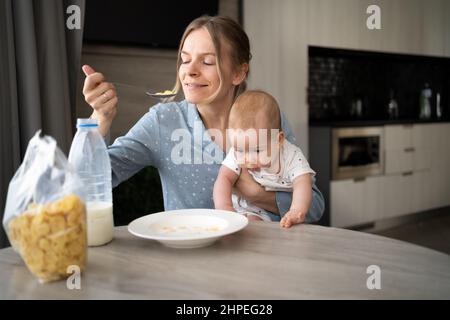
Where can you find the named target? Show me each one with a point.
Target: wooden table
(262, 261)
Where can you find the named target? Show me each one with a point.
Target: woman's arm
(223, 189)
(248, 188)
(132, 152)
(139, 148)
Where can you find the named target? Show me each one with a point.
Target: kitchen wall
(136, 69)
(280, 32)
(133, 70)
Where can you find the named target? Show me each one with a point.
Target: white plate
(188, 228)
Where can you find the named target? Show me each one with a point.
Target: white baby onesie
(292, 164)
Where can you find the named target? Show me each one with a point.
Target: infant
(258, 145)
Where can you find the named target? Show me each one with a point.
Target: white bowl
(187, 228)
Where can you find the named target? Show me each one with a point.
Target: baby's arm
(223, 188)
(301, 201)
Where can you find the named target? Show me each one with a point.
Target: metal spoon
(158, 95)
(161, 95)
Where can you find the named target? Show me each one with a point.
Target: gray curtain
(39, 68)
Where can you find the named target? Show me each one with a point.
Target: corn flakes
(51, 237)
(166, 92)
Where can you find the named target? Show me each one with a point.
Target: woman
(213, 63)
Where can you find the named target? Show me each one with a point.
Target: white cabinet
(398, 149)
(354, 202)
(416, 180)
(346, 203)
(445, 195)
(396, 193)
(442, 169)
(435, 187)
(421, 196)
(437, 160)
(422, 136)
(440, 165)
(399, 161)
(407, 147)
(446, 170)
(405, 193)
(398, 137)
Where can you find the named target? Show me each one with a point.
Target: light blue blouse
(158, 136)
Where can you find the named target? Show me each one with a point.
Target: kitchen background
(329, 72)
(363, 85)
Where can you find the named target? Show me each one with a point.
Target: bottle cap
(86, 122)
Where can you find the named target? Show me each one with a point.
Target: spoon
(159, 95)
(162, 95)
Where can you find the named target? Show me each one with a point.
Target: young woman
(183, 140)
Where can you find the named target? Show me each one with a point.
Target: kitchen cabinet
(398, 136)
(437, 159)
(417, 175)
(396, 191)
(346, 203)
(398, 149)
(405, 193)
(415, 180)
(421, 193)
(355, 202)
(439, 180)
(443, 165)
(407, 147)
(421, 137)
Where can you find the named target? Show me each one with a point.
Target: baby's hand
(292, 217)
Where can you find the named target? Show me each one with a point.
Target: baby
(259, 145)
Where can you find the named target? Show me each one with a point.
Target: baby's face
(255, 148)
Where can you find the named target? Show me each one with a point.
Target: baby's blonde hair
(255, 109)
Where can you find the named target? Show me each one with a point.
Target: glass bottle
(392, 107)
(425, 105)
(438, 106)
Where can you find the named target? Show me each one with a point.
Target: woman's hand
(101, 96)
(249, 189)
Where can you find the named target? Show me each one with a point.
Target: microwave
(357, 152)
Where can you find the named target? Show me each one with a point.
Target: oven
(357, 152)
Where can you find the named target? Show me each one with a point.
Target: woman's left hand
(252, 191)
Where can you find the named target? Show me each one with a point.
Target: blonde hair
(255, 108)
(220, 27)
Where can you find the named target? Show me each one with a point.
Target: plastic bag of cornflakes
(45, 214)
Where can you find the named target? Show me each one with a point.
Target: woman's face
(198, 70)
